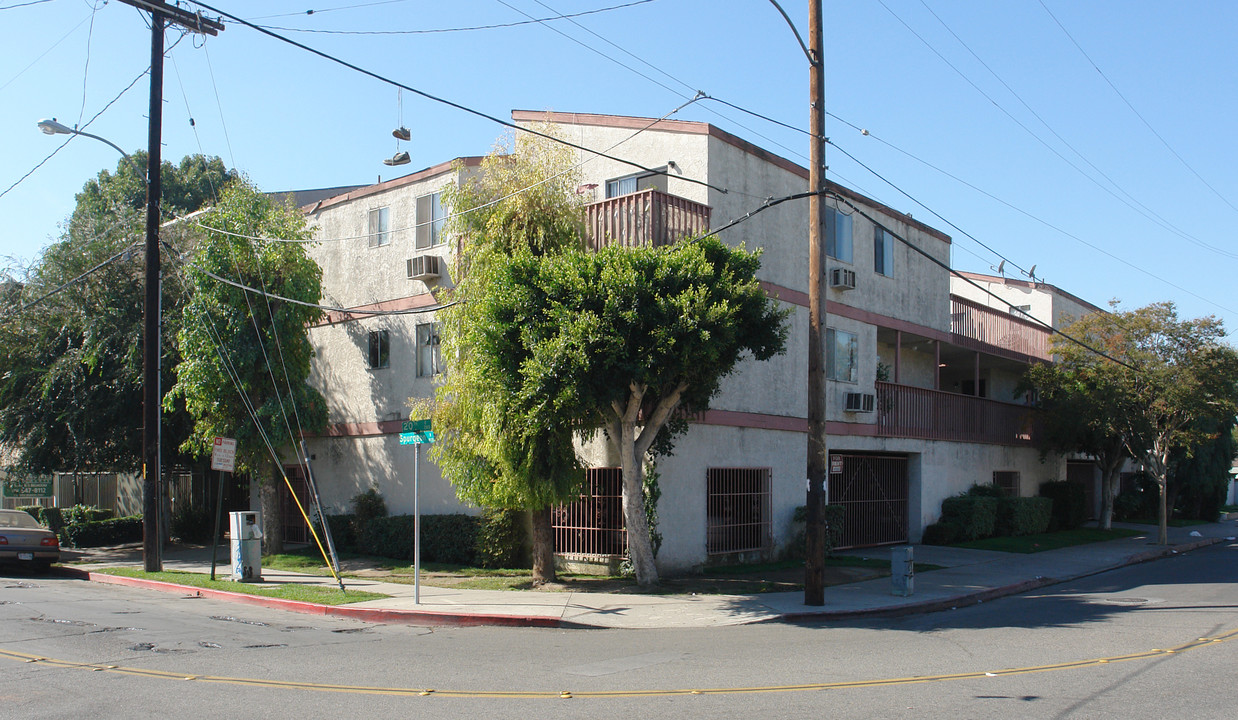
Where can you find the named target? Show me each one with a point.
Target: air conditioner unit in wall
(860, 402)
(425, 267)
(842, 279)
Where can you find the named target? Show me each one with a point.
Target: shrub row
(103, 532)
(1070, 504)
(986, 511)
(494, 539)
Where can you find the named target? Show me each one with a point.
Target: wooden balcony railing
(977, 327)
(912, 412)
(649, 217)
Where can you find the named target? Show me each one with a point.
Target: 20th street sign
(416, 432)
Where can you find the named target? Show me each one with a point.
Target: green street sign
(414, 426)
(416, 438)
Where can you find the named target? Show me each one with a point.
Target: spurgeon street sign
(416, 432)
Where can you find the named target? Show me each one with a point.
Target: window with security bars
(738, 508)
(593, 525)
(1007, 480)
(429, 356)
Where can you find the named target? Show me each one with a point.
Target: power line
(494, 26)
(71, 137)
(1132, 108)
(25, 4)
(443, 101)
(1129, 200)
(331, 9)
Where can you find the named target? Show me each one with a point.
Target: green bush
(1070, 504)
(100, 533)
(1027, 515)
(79, 514)
(992, 490)
(942, 533)
(342, 532)
(449, 539)
(193, 524)
(1140, 503)
(975, 515)
(833, 529)
(501, 539)
(368, 505)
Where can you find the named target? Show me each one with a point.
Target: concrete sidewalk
(966, 577)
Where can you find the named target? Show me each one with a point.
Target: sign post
(223, 459)
(416, 433)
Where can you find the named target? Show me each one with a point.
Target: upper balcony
(911, 412)
(984, 329)
(649, 217)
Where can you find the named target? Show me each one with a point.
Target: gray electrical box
(903, 571)
(246, 545)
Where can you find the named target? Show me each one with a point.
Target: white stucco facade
(898, 316)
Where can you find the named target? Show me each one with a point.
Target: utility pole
(161, 14)
(814, 564)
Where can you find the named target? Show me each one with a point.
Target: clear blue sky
(1057, 170)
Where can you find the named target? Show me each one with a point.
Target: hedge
(1070, 504)
(103, 532)
(495, 539)
(1026, 515)
(833, 529)
(975, 515)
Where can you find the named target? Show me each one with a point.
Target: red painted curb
(373, 615)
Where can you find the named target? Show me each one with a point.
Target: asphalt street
(1125, 643)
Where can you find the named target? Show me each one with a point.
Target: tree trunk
(1109, 489)
(272, 517)
(543, 548)
(640, 545)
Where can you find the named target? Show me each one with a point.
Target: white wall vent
(860, 402)
(425, 267)
(842, 278)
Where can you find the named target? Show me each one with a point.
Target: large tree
(1162, 375)
(70, 346)
(629, 341)
(244, 339)
(521, 206)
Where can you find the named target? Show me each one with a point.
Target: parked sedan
(24, 541)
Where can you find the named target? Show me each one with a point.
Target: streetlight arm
(807, 52)
(51, 127)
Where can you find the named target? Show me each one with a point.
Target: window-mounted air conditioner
(860, 402)
(425, 267)
(842, 279)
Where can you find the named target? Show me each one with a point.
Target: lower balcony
(912, 412)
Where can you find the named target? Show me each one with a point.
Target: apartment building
(921, 370)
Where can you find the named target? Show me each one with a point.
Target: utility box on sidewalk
(903, 571)
(246, 545)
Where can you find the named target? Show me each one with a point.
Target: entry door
(1084, 473)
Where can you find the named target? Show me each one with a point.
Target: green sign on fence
(28, 487)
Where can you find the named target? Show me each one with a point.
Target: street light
(152, 416)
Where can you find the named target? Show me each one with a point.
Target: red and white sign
(223, 454)
(836, 464)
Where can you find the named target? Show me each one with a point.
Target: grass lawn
(304, 593)
(1049, 541)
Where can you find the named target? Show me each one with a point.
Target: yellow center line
(566, 694)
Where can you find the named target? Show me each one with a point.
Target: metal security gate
(295, 529)
(592, 527)
(873, 492)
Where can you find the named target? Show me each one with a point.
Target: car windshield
(18, 519)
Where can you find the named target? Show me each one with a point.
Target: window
(593, 525)
(842, 351)
(429, 362)
(883, 252)
(636, 183)
(737, 510)
(838, 235)
(1007, 480)
(430, 217)
(379, 227)
(380, 349)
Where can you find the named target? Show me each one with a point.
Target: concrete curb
(374, 615)
(982, 596)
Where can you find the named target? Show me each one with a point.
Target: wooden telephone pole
(161, 15)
